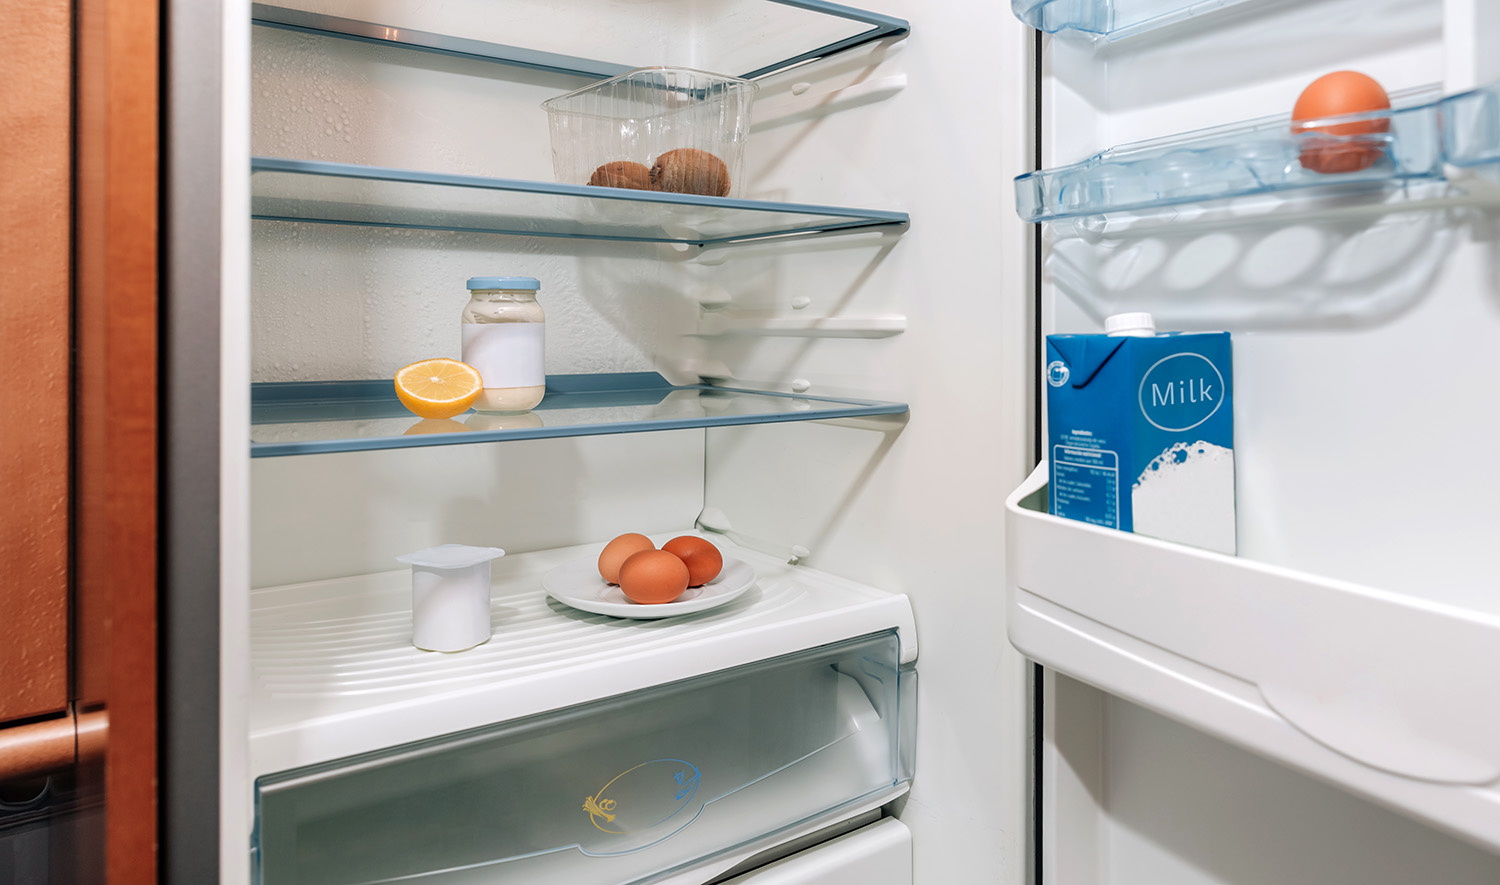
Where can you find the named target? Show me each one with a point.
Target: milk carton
(1140, 431)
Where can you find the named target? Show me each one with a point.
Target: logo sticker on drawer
(646, 796)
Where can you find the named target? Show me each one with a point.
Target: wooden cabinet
(35, 219)
(78, 448)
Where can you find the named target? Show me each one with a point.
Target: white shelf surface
(334, 672)
(1389, 696)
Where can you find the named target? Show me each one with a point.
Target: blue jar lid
(504, 283)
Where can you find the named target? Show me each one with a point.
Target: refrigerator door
(1354, 634)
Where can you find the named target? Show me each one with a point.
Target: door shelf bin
(611, 791)
(1471, 131)
(1382, 694)
(749, 38)
(1261, 157)
(320, 192)
(1111, 19)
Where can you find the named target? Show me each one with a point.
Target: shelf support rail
(273, 16)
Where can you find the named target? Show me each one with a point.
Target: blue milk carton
(1140, 431)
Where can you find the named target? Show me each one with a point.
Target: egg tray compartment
(1242, 159)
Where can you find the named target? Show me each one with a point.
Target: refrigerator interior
(1351, 638)
(1135, 797)
(902, 504)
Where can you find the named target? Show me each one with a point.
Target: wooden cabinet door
(78, 415)
(35, 221)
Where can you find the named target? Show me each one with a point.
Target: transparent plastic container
(1258, 157)
(674, 130)
(1471, 131)
(1111, 19)
(620, 790)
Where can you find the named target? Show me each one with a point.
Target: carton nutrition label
(1086, 485)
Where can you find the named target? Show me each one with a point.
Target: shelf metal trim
(883, 26)
(563, 392)
(517, 232)
(857, 218)
(283, 18)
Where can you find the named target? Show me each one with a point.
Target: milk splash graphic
(1180, 496)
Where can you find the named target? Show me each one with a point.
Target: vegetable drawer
(625, 789)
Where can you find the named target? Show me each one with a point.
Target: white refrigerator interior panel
(597, 31)
(336, 302)
(1470, 27)
(333, 669)
(322, 98)
(909, 506)
(1135, 799)
(335, 673)
(878, 854)
(363, 509)
(236, 810)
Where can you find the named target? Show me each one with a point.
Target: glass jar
(503, 339)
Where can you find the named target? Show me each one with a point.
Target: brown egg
(690, 171)
(1332, 95)
(617, 551)
(652, 577)
(703, 560)
(622, 173)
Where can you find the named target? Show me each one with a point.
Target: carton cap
(1138, 325)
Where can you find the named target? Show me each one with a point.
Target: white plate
(578, 584)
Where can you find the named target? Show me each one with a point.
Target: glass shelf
(749, 38)
(371, 196)
(306, 418)
(1111, 19)
(1260, 157)
(1471, 131)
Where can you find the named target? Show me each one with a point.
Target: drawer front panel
(614, 791)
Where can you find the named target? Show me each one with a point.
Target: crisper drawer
(619, 790)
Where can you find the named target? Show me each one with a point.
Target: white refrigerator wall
(936, 126)
(334, 303)
(1137, 799)
(236, 808)
(1349, 326)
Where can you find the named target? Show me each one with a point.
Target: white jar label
(506, 354)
